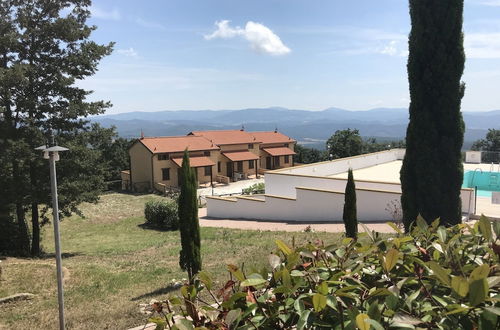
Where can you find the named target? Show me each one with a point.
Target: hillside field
(112, 264)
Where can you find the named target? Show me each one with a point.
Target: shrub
(433, 278)
(258, 188)
(162, 214)
(350, 214)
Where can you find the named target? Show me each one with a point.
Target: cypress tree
(432, 171)
(350, 217)
(190, 256)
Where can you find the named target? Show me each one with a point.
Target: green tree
(44, 50)
(305, 155)
(344, 143)
(190, 255)
(432, 171)
(490, 144)
(350, 215)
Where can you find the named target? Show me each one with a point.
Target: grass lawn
(112, 265)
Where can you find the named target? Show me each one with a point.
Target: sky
(298, 54)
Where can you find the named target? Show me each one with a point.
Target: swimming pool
(486, 182)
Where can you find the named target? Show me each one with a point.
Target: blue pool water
(486, 182)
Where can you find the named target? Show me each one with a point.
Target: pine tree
(44, 50)
(190, 255)
(350, 217)
(432, 171)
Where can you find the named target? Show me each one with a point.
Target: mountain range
(307, 127)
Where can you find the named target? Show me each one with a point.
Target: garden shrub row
(432, 278)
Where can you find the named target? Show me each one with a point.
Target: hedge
(162, 214)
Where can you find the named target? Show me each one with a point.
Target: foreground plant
(432, 278)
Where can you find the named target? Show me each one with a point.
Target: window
(287, 159)
(286, 145)
(250, 146)
(219, 167)
(251, 164)
(206, 153)
(208, 170)
(162, 156)
(165, 174)
(240, 166)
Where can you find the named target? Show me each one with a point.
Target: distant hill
(308, 127)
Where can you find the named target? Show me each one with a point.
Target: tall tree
(350, 212)
(490, 144)
(190, 256)
(44, 50)
(432, 171)
(344, 143)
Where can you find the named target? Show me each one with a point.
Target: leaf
(439, 272)
(253, 282)
(460, 285)
(485, 227)
(304, 315)
(322, 288)
(390, 260)
(380, 292)
(421, 223)
(184, 324)
(285, 278)
(479, 272)
(406, 319)
(283, 247)
(232, 316)
(488, 320)
(437, 246)
(493, 280)
(236, 272)
(361, 321)
(494, 310)
(368, 232)
(299, 306)
(441, 231)
(274, 261)
(319, 302)
(375, 324)
(206, 279)
(496, 228)
(478, 290)
(396, 228)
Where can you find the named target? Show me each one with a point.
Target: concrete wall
(342, 165)
(310, 205)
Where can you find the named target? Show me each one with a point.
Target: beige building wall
(263, 155)
(140, 167)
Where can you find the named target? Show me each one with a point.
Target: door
(179, 178)
(268, 162)
(229, 167)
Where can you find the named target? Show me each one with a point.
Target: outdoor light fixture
(52, 154)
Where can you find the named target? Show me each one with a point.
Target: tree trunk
(35, 240)
(23, 231)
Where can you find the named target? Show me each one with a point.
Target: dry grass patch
(114, 264)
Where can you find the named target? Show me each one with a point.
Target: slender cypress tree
(432, 171)
(350, 217)
(190, 256)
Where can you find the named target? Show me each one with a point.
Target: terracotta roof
(195, 161)
(272, 137)
(227, 137)
(177, 144)
(280, 151)
(236, 156)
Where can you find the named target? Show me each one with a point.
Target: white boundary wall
(305, 193)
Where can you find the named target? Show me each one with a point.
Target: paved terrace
(389, 172)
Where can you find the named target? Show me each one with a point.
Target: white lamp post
(52, 154)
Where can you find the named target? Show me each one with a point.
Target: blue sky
(232, 54)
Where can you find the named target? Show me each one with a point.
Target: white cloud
(127, 52)
(482, 45)
(260, 37)
(97, 12)
(149, 24)
(395, 48)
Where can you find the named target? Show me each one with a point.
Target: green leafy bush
(433, 278)
(258, 188)
(162, 214)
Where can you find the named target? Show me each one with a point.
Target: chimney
(276, 129)
(242, 128)
(142, 134)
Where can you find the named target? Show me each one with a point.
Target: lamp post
(52, 154)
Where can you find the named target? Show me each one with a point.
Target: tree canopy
(45, 48)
